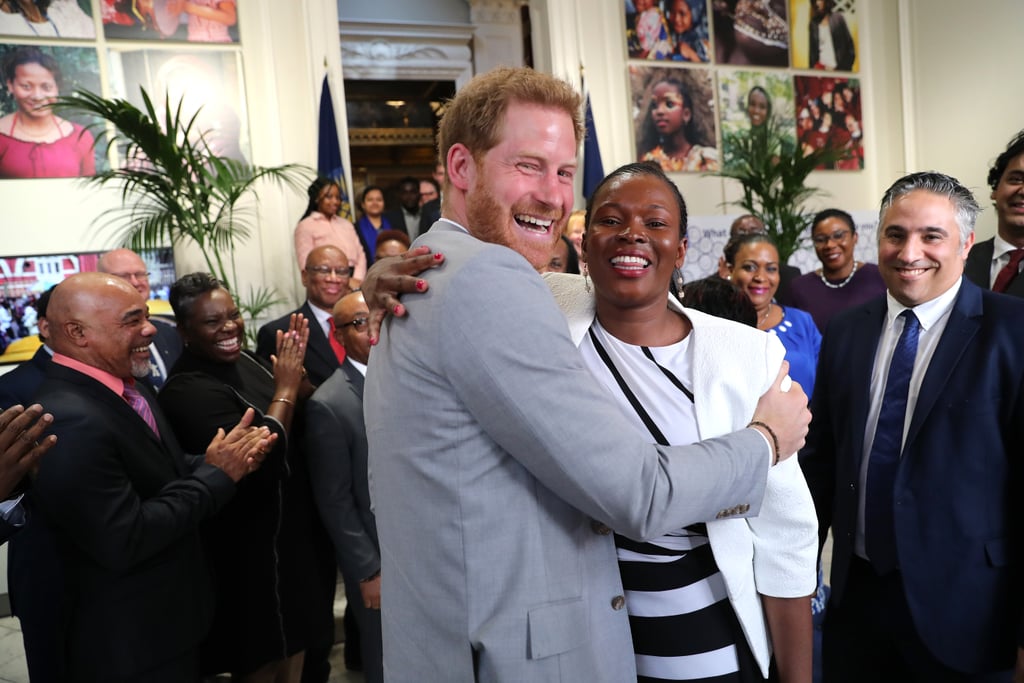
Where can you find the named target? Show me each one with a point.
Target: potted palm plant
(773, 172)
(174, 189)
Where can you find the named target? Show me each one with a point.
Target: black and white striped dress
(683, 626)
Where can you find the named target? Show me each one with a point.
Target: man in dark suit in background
(123, 501)
(408, 218)
(914, 457)
(325, 278)
(430, 210)
(20, 384)
(996, 263)
(336, 452)
(34, 574)
(166, 345)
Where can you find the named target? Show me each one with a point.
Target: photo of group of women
(41, 141)
(686, 114)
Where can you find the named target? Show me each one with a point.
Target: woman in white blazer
(712, 600)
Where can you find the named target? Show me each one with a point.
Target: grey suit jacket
(336, 453)
(497, 463)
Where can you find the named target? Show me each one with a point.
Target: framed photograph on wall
(47, 18)
(751, 32)
(206, 81)
(674, 118)
(24, 278)
(829, 117)
(824, 34)
(750, 100)
(195, 21)
(675, 30)
(35, 141)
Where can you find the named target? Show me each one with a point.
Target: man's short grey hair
(965, 206)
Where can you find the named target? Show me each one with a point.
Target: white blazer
(775, 553)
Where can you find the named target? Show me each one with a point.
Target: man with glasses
(166, 345)
(326, 279)
(842, 281)
(336, 452)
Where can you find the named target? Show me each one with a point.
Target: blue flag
(593, 169)
(328, 157)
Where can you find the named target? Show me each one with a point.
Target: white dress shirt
(933, 316)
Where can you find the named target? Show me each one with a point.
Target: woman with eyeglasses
(842, 282)
(321, 225)
(260, 546)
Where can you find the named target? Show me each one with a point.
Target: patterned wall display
(754, 54)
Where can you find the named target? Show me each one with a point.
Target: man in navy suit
(326, 278)
(926, 562)
(165, 347)
(34, 572)
(1005, 251)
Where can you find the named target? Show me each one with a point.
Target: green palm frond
(773, 173)
(173, 189)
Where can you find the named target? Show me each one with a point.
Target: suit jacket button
(618, 602)
(853, 487)
(599, 528)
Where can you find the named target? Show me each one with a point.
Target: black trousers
(871, 636)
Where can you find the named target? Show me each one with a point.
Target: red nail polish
(373, 341)
(421, 285)
(438, 256)
(397, 310)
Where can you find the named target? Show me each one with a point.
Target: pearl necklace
(842, 284)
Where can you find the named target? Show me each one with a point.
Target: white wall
(944, 67)
(963, 97)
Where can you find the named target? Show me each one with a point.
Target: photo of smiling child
(673, 118)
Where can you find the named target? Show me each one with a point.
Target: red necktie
(1006, 275)
(336, 346)
(140, 405)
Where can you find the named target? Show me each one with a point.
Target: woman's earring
(679, 281)
(586, 279)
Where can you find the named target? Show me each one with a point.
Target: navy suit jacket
(19, 385)
(979, 266)
(320, 360)
(958, 521)
(125, 510)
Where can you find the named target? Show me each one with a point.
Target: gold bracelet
(771, 433)
(292, 403)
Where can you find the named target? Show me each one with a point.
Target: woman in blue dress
(753, 262)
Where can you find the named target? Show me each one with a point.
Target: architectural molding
(412, 51)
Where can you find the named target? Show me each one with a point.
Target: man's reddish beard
(490, 223)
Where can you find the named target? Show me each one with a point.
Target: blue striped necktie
(879, 522)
